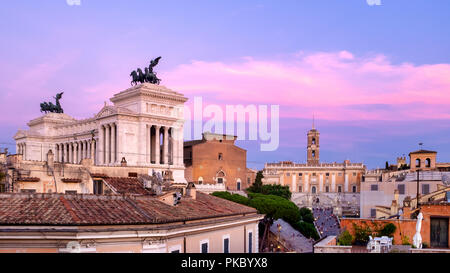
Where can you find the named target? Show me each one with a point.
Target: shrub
(388, 230)
(362, 234)
(424, 245)
(345, 239)
(405, 240)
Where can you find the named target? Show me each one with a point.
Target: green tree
(306, 215)
(282, 191)
(237, 198)
(307, 229)
(345, 238)
(257, 185)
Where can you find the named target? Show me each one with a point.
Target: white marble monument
(143, 127)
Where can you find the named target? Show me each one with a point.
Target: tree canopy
(276, 207)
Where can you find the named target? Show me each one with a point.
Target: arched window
(313, 153)
(428, 163)
(314, 140)
(238, 184)
(418, 162)
(313, 189)
(220, 177)
(200, 180)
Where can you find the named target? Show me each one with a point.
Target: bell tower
(313, 146)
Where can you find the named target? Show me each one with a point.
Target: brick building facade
(216, 160)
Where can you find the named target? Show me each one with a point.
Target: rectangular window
(250, 242)
(300, 174)
(2, 188)
(300, 189)
(327, 189)
(288, 174)
(220, 156)
(354, 174)
(226, 245)
(71, 192)
(339, 189)
(339, 174)
(98, 187)
(327, 174)
(374, 187)
(314, 174)
(373, 213)
(425, 188)
(354, 189)
(401, 189)
(220, 180)
(205, 248)
(175, 251)
(132, 175)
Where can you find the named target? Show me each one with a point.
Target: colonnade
(75, 151)
(21, 148)
(163, 145)
(108, 152)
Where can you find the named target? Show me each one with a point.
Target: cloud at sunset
(334, 86)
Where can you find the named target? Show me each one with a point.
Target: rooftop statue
(149, 76)
(52, 108)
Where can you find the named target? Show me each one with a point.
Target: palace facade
(315, 183)
(143, 128)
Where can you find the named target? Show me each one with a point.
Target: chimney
(191, 191)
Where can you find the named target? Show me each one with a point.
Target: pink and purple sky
(377, 78)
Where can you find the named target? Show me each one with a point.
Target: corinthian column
(149, 144)
(75, 152)
(101, 146)
(113, 143)
(108, 144)
(166, 145)
(157, 145)
(70, 153)
(63, 152)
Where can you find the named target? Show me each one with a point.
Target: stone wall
(328, 245)
(404, 227)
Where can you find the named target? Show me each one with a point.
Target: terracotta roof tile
(58, 209)
(126, 185)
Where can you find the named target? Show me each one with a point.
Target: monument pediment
(112, 110)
